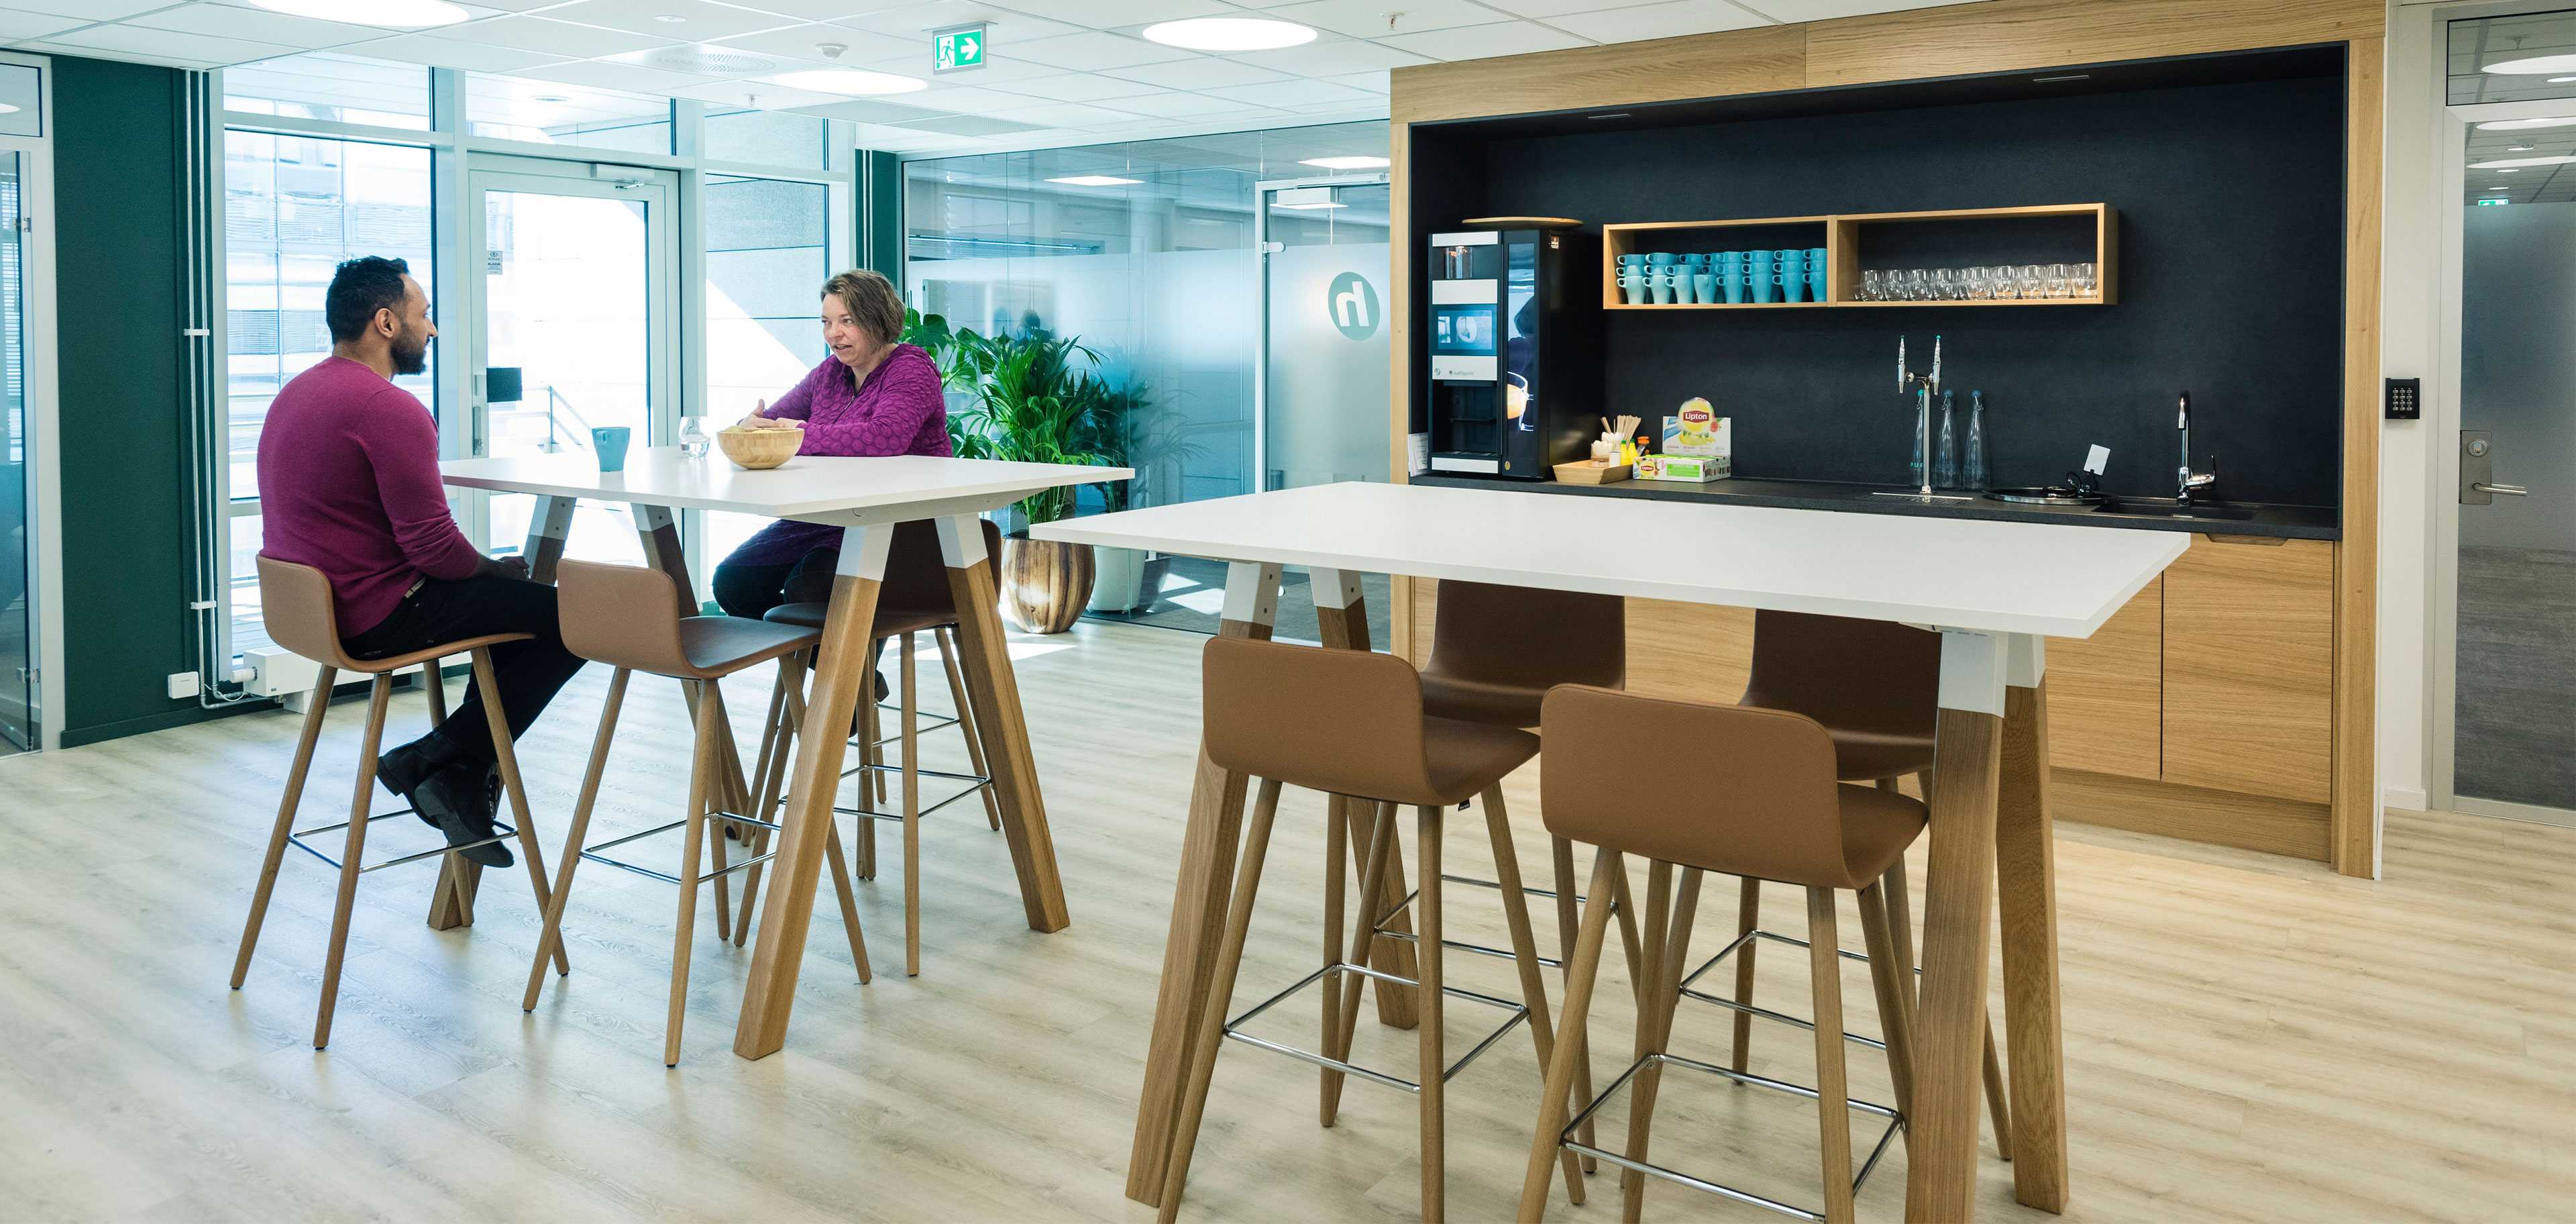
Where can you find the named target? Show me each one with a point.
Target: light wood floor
(2247, 1038)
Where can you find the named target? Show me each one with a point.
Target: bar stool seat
(713, 647)
(299, 613)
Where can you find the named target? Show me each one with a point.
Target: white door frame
(1261, 252)
(44, 408)
(659, 191)
(2443, 423)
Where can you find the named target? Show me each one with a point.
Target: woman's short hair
(871, 300)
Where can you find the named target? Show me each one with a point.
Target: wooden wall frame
(1963, 39)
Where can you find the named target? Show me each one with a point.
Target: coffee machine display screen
(1463, 331)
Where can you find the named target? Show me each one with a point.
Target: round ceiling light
(853, 82)
(1227, 34)
(2516, 163)
(2523, 125)
(2539, 65)
(393, 14)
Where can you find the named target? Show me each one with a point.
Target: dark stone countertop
(2292, 522)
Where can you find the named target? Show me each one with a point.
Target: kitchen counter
(2287, 522)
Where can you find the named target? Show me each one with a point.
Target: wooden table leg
(994, 690)
(2026, 864)
(451, 903)
(1941, 1185)
(1208, 849)
(659, 533)
(1341, 622)
(840, 684)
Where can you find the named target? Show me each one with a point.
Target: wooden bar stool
(914, 600)
(1875, 688)
(1774, 812)
(611, 614)
(1351, 724)
(295, 602)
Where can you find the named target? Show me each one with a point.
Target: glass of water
(693, 437)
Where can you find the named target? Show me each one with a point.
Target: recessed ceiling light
(2540, 65)
(1346, 163)
(395, 14)
(854, 82)
(2518, 148)
(548, 98)
(2499, 189)
(2522, 125)
(7, 109)
(673, 18)
(2561, 80)
(2508, 163)
(1094, 180)
(2509, 170)
(1229, 34)
(1310, 207)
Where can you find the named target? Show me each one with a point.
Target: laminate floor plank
(2247, 1038)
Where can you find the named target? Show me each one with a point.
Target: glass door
(2506, 469)
(17, 450)
(574, 328)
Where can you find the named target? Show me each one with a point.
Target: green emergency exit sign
(957, 48)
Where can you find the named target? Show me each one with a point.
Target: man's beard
(410, 357)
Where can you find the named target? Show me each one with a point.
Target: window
(768, 137)
(768, 254)
(548, 112)
(336, 88)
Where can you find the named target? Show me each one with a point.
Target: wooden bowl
(758, 449)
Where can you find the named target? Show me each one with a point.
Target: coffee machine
(1515, 341)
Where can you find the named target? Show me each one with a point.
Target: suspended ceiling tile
(1486, 41)
(804, 42)
(916, 21)
(765, 95)
(1092, 52)
(698, 19)
(17, 25)
(559, 37)
(89, 10)
(1201, 72)
(1334, 57)
(625, 77)
(170, 44)
(1379, 18)
(1373, 82)
(257, 24)
(1111, 14)
(1293, 93)
(966, 99)
(449, 53)
(1080, 87)
(1066, 114)
(1180, 105)
(1669, 20)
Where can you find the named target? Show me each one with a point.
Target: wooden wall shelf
(1845, 240)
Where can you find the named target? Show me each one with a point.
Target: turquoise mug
(1816, 282)
(1764, 282)
(1695, 259)
(609, 443)
(1635, 287)
(1631, 261)
(1815, 257)
(1730, 259)
(1732, 281)
(1660, 259)
(1704, 284)
(1793, 283)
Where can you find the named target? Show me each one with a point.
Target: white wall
(2411, 189)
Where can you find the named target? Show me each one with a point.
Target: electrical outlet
(183, 685)
(2405, 399)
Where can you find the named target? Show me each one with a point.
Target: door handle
(2509, 490)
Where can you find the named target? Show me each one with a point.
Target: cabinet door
(2106, 692)
(2249, 668)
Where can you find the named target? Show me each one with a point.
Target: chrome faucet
(1925, 387)
(2186, 479)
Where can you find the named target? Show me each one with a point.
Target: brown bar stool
(1351, 723)
(610, 616)
(1875, 686)
(1774, 812)
(915, 599)
(296, 604)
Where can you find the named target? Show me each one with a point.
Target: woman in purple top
(875, 395)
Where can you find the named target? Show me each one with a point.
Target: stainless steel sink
(2168, 508)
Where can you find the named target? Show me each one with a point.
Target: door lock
(2477, 468)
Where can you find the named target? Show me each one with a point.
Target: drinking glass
(1943, 287)
(1873, 287)
(693, 437)
(1918, 285)
(2033, 281)
(2088, 281)
(2057, 280)
(1978, 287)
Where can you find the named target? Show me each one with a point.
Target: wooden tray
(1593, 472)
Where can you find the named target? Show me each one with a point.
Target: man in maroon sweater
(348, 484)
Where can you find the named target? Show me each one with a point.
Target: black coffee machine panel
(1515, 341)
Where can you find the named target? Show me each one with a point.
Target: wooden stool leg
(1997, 1097)
(911, 814)
(871, 785)
(1748, 918)
(1833, 1095)
(1650, 1011)
(1627, 913)
(1668, 991)
(1888, 976)
(1336, 872)
(1337, 1040)
(849, 904)
(702, 764)
(1583, 968)
(1561, 856)
(316, 708)
(713, 690)
(581, 809)
(1211, 1034)
(788, 698)
(958, 701)
(505, 754)
(1507, 875)
(1435, 1057)
(379, 695)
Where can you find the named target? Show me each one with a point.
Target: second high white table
(1993, 590)
(866, 498)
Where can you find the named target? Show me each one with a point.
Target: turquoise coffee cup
(609, 443)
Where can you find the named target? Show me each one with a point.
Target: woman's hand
(757, 421)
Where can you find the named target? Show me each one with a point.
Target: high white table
(866, 498)
(1993, 590)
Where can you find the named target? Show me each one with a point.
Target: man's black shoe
(404, 769)
(455, 800)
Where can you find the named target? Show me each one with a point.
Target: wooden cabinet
(2106, 692)
(2249, 667)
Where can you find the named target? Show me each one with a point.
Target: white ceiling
(2474, 43)
(1061, 72)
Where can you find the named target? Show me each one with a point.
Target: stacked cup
(1633, 278)
(1762, 275)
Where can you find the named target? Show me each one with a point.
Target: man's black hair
(360, 288)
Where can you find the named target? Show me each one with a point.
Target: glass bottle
(1945, 452)
(1972, 462)
(693, 437)
(1914, 431)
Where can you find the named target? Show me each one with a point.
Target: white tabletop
(1995, 577)
(820, 487)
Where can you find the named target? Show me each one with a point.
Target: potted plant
(1031, 398)
(1155, 445)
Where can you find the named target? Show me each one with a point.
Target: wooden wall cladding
(2007, 35)
(1763, 59)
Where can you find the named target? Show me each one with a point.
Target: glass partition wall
(1150, 254)
(554, 226)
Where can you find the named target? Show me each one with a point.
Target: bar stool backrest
(297, 611)
(1344, 721)
(622, 615)
(916, 575)
(1730, 789)
(1527, 637)
(1857, 675)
